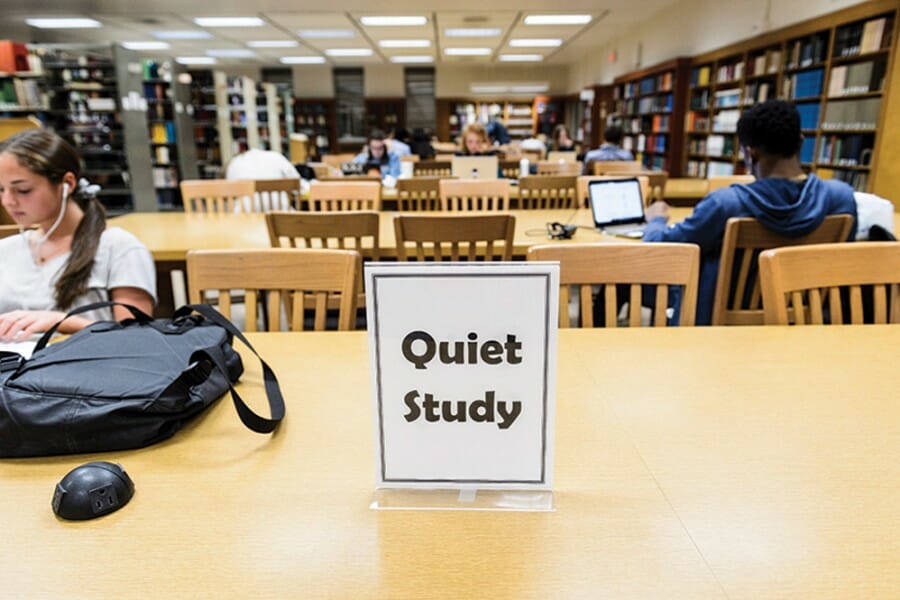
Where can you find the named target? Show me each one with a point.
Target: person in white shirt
(260, 164)
(65, 256)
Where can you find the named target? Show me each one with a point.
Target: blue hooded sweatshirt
(790, 208)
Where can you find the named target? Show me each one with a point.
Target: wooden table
(743, 462)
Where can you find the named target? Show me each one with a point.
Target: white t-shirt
(121, 261)
(261, 164)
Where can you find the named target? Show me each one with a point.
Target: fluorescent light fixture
(273, 44)
(535, 42)
(472, 32)
(412, 59)
(146, 45)
(392, 21)
(488, 89)
(229, 21)
(302, 60)
(529, 89)
(64, 23)
(521, 57)
(557, 19)
(326, 34)
(231, 53)
(348, 52)
(182, 34)
(405, 43)
(467, 51)
(195, 60)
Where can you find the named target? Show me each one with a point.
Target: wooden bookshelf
(385, 113)
(317, 117)
(649, 103)
(834, 68)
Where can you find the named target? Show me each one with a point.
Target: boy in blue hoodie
(783, 198)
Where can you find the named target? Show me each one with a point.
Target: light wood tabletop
(750, 462)
(170, 235)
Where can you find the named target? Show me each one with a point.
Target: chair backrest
(342, 230)
(289, 277)
(586, 265)
(583, 181)
(320, 169)
(419, 193)
(811, 283)
(717, 182)
(691, 188)
(614, 167)
(336, 160)
(656, 181)
(738, 297)
(509, 168)
(340, 195)
(547, 167)
(474, 194)
(277, 194)
(410, 158)
(8, 230)
(454, 237)
(218, 195)
(532, 155)
(547, 191)
(434, 168)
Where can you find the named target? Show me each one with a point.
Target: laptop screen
(616, 202)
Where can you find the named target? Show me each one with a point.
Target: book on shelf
(700, 76)
(809, 114)
(851, 114)
(716, 169)
(807, 150)
(872, 35)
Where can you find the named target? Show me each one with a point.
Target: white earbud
(65, 191)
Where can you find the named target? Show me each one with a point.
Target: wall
(384, 81)
(692, 27)
(313, 81)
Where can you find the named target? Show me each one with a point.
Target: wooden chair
(455, 237)
(616, 167)
(474, 194)
(656, 181)
(339, 195)
(738, 297)
(433, 168)
(533, 156)
(337, 230)
(809, 284)
(546, 167)
(509, 168)
(681, 191)
(720, 181)
(277, 194)
(218, 195)
(321, 169)
(336, 160)
(419, 193)
(582, 182)
(410, 158)
(8, 230)
(291, 275)
(608, 265)
(547, 191)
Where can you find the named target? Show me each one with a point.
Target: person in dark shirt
(561, 142)
(783, 198)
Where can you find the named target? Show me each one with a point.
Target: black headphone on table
(560, 231)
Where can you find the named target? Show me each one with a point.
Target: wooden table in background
(747, 462)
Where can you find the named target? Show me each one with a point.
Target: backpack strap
(139, 315)
(252, 420)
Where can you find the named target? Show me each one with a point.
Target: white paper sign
(464, 373)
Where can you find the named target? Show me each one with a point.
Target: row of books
(730, 72)
(861, 38)
(717, 169)
(695, 121)
(809, 114)
(728, 98)
(851, 114)
(163, 133)
(726, 121)
(700, 99)
(154, 91)
(695, 168)
(644, 143)
(846, 150)
(720, 146)
(859, 180)
(807, 51)
(806, 84)
(697, 146)
(165, 177)
(767, 62)
(655, 162)
(807, 150)
(700, 76)
(859, 78)
(757, 91)
(16, 92)
(650, 104)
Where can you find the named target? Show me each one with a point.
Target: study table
(744, 462)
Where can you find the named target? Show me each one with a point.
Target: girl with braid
(64, 256)
(783, 198)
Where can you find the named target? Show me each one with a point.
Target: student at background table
(783, 198)
(475, 141)
(560, 140)
(377, 156)
(610, 149)
(71, 258)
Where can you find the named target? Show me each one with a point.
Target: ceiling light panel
(195, 60)
(405, 43)
(557, 19)
(230, 53)
(521, 57)
(64, 23)
(458, 51)
(146, 45)
(412, 59)
(273, 43)
(182, 34)
(393, 21)
(216, 22)
(302, 60)
(535, 42)
(326, 34)
(348, 52)
(472, 32)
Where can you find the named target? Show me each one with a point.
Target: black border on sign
(376, 333)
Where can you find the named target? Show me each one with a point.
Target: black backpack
(120, 385)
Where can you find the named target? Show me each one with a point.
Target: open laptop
(617, 206)
(474, 167)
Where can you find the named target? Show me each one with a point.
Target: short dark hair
(772, 127)
(613, 134)
(376, 134)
